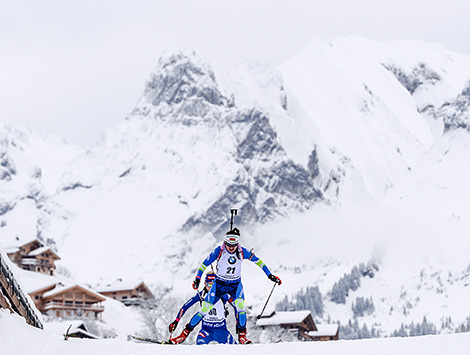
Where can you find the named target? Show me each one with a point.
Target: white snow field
(17, 338)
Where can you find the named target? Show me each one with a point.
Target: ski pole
(232, 213)
(259, 316)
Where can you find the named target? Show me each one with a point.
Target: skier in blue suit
(229, 256)
(214, 327)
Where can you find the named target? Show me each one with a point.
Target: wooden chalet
(62, 301)
(33, 256)
(129, 293)
(325, 332)
(302, 323)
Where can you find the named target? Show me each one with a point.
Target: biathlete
(229, 256)
(214, 327)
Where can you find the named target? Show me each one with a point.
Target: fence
(12, 297)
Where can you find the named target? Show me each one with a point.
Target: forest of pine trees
(351, 281)
(309, 299)
(363, 307)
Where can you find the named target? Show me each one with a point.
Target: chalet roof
(18, 243)
(324, 330)
(11, 250)
(277, 318)
(43, 250)
(120, 286)
(60, 288)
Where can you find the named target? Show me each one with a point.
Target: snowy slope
(352, 151)
(367, 105)
(13, 331)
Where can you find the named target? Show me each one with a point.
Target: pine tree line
(353, 330)
(363, 307)
(449, 325)
(412, 330)
(351, 281)
(309, 299)
(464, 327)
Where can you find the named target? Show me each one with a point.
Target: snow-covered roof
(41, 250)
(11, 250)
(61, 288)
(35, 281)
(284, 318)
(119, 286)
(324, 330)
(17, 243)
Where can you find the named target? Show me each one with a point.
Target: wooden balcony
(72, 306)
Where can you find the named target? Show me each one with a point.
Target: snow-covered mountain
(352, 152)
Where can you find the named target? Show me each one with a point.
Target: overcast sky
(74, 68)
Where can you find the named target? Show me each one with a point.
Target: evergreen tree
(311, 299)
(363, 307)
(351, 281)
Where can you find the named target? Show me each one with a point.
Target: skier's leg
(184, 334)
(223, 336)
(230, 338)
(207, 305)
(240, 307)
(203, 337)
(241, 318)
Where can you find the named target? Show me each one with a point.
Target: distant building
(325, 332)
(32, 255)
(129, 293)
(61, 301)
(300, 322)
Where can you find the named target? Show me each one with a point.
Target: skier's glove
(275, 279)
(172, 326)
(196, 283)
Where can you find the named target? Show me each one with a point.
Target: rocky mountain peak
(185, 84)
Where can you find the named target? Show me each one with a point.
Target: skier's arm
(209, 260)
(252, 257)
(189, 303)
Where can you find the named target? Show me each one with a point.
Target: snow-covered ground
(16, 338)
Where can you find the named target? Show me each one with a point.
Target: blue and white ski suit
(228, 281)
(214, 326)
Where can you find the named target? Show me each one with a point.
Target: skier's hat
(210, 277)
(232, 236)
